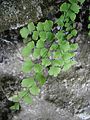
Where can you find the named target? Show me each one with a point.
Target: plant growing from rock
(49, 52)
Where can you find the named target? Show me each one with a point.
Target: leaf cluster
(50, 51)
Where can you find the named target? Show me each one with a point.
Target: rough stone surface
(11, 59)
(16, 13)
(42, 110)
(9, 76)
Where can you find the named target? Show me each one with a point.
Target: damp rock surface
(16, 13)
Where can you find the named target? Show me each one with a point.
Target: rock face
(16, 13)
(42, 110)
(10, 62)
(9, 81)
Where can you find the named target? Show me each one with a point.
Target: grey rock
(17, 13)
(42, 110)
(11, 63)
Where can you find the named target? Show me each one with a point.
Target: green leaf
(27, 49)
(74, 25)
(37, 68)
(64, 7)
(39, 77)
(54, 47)
(24, 32)
(49, 36)
(42, 35)
(72, 15)
(68, 55)
(68, 29)
(14, 98)
(88, 26)
(34, 90)
(22, 93)
(60, 35)
(58, 63)
(36, 53)
(89, 18)
(31, 27)
(35, 35)
(66, 67)
(27, 99)
(57, 54)
(89, 33)
(67, 19)
(81, 1)
(26, 40)
(16, 106)
(74, 32)
(65, 46)
(60, 21)
(43, 52)
(73, 1)
(31, 45)
(46, 62)
(40, 26)
(28, 82)
(27, 66)
(68, 64)
(54, 71)
(73, 46)
(69, 36)
(48, 24)
(67, 24)
(40, 44)
(75, 8)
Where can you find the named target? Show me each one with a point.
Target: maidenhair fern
(51, 51)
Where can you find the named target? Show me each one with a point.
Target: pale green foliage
(54, 70)
(75, 8)
(28, 82)
(31, 27)
(46, 62)
(27, 49)
(40, 26)
(35, 35)
(39, 77)
(65, 7)
(27, 99)
(24, 32)
(16, 106)
(34, 90)
(27, 66)
(89, 25)
(50, 51)
(48, 24)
